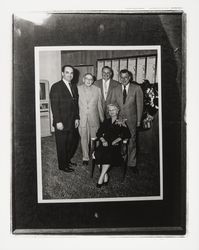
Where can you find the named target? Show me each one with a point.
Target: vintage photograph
(99, 136)
(98, 118)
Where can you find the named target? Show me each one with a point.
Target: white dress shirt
(127, 88)
(105, 87)
(68, 86)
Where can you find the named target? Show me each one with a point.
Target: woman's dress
(110, 154)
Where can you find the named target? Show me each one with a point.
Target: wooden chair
(124, 154)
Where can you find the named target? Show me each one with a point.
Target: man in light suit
(91, 113)
(106, 84)
(64, 105)
(129, 97)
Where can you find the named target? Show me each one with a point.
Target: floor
(79, 184)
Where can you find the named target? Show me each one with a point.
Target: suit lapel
(101, 87)
(110, 88)
(73, 90)
(120, 95)
(129, 94)
(65, 89)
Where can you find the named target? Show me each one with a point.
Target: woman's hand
(76, 123)
(104, 142)
(121, 122)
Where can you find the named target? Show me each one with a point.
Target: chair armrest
(93, 145)
(94, 139)
(124, 147)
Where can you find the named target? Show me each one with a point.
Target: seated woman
(111, 132)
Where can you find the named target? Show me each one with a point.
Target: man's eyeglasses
(90, 79)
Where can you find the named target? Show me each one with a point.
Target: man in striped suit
(106, 84)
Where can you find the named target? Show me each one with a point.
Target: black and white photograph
(99, 131)
(108, 99)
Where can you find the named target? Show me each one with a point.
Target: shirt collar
(67, 83)
(127, 86)
(106, 81)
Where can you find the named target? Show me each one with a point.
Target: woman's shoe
(99, 185)
(107, 180)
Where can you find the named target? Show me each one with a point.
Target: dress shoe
(72, 164)
(68, 170)
(99, 185)
(85, 163)
(134, 169)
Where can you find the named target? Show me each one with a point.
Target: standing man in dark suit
(106, 84)
(64, 104)
(129, 97)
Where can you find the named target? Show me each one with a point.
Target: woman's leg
(105, 168)
(105, 175)
(106, 178)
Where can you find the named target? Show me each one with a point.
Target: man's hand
(76, 123)
(138, 124)
(60, 126)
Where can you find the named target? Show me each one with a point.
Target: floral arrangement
(150, 92)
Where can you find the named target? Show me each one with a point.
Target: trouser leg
(70, 144)
(73, 143)
(132, 149)
(93, 131)
(61, 138)
(84, 134)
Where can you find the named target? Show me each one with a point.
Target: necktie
(124, 95)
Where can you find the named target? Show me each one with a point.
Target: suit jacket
(90, 106)
(112, 85)
(133, 107)
(64, 106)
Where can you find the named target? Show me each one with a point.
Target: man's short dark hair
(124, 71)
(65, 66)
(107, 67)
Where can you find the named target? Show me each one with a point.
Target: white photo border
(38, 49)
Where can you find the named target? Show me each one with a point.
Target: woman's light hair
(87, 74)
(113, 105)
